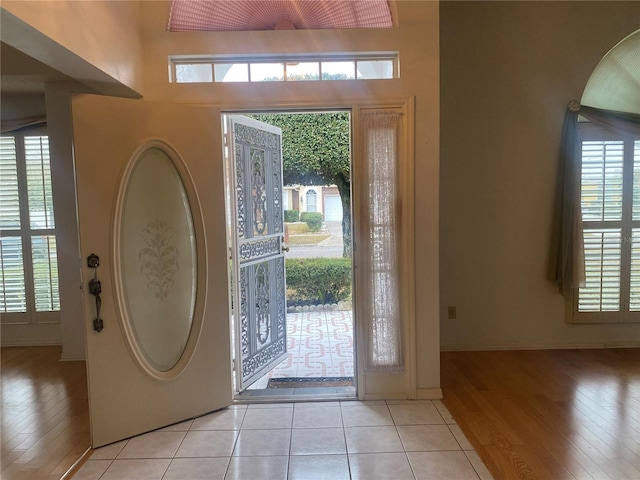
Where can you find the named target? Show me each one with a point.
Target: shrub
(313, 219)
(318, 280)
(291, 216)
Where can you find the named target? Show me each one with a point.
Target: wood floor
(45, 420)
(550, 414)
(556, 414)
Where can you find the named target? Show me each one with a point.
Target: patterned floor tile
(319, 344)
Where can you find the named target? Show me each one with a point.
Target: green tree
(315, 151)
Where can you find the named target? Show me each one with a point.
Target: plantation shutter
(38, 173)
(610, 204)
(9, 196)
(634, 280)
(42, 224)
(601, 200)
(12, 287)
(28, 252)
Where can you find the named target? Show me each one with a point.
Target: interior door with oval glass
(258, 249)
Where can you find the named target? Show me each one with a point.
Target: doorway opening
(289, 224)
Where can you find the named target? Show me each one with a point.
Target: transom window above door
(283, 68)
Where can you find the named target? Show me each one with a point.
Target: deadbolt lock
(93, 261)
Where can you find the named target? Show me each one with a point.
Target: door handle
(283, 246)
(95, 289)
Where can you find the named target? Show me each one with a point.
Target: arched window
(312, 201)
(613, 85)
(603, 280)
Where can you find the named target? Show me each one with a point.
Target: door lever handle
(98, 324)
(285, 248)
(95, 289)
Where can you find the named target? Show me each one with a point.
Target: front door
(151, 216)
(257, 252)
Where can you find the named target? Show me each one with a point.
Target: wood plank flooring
(549, 414)
(45, 419)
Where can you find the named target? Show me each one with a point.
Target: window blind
(610, 204)
(9, 196)
(28, 250)
(38, 176)
(13, 287)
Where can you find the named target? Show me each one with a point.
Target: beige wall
(508, 70)
(417, 42)
(95, 42)
(100, 44)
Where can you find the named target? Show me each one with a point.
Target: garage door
(332, 208)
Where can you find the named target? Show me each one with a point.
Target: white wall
(86, 29)
(97, 43)
(100, 44)
(508, 71)
(72, 332)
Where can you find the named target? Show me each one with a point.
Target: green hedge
(291, 216)
(313, 219)
(318, 280)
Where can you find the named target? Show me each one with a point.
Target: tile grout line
(294, 407)
(346, 446)
(404, 449)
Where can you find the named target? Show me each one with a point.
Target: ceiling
(23, 75)
(22, 85)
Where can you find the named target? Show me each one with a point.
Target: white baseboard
(30, 334)
(434, 393)
(30, 342)
(385, 396)
(538, 346)
(72, 358)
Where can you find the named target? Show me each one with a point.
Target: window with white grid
(314, 67)
(28, 253)
(610, 205)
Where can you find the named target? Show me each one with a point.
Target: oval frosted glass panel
(158, 259)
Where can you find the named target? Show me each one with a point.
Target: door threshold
(311, 394)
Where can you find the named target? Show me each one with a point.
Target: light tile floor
(319, 344)
(392, 440)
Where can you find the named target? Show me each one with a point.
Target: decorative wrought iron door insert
(259, 268)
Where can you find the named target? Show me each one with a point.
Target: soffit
(22, 74)
(246, 15)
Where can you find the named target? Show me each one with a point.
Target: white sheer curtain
(380, 132)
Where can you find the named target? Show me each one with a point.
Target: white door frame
(371, 387)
